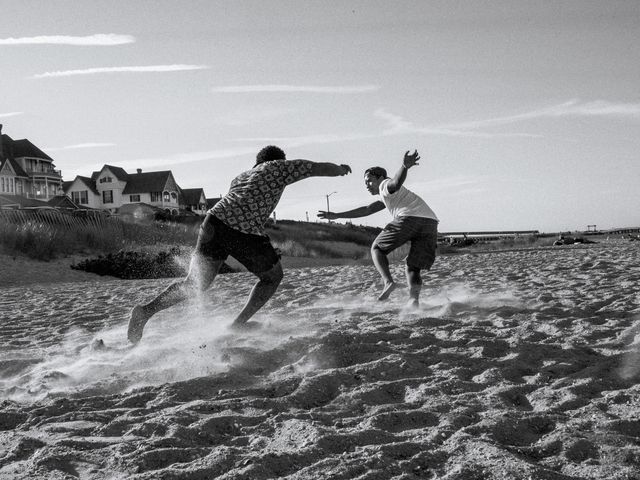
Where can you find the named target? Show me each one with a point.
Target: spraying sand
(517, 365)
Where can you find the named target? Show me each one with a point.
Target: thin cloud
(136, 69)
(225, 153)
(397, 124)
(291, 142)
(400, 126)
(600, 108)
(286, 142)
(572, 108)
(295, 89)
(10, 114)
(100, 40)
(181, 158)
(81, 146)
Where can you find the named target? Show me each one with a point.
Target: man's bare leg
(381, 263)
(415, 285)
(260, 294)
(201, 274)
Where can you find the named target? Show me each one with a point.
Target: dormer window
(106, 180)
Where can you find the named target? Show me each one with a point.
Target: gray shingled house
(26, 171)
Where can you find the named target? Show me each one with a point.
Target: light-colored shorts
(421, 232)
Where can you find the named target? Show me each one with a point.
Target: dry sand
(519, 365)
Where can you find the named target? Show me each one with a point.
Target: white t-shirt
(404, 203)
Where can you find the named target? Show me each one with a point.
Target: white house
(83, 192)
(112, 187)
(27, 174)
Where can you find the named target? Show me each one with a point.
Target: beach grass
(50, 234)
(47, 235)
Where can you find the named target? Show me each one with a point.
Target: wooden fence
(56, 218)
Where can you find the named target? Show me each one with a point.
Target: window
(81, 198)
(165, 197)
(174, 197)
(6, 184)
(107, 196)
(134, 198)
(106, 180)
(156, 196)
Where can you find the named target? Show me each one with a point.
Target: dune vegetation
(49, 234)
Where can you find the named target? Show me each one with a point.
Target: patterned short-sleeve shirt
(254, 194)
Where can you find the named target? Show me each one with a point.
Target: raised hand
(327, 215)
(410, 159)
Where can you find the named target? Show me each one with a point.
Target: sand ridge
(519, 364)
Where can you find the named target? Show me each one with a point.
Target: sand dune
(518, 365)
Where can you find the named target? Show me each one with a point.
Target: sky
(526, 114)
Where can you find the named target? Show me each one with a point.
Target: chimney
(139, 170)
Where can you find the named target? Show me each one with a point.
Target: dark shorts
(217, 241)
(421, 232)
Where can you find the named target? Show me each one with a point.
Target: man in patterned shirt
(235, 226)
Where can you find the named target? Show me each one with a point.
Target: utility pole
(307, 216)
(328, 209)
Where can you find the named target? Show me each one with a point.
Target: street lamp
(328, 209)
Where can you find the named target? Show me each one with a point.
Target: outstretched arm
(401, 175)
(375, 207)
(319, 169)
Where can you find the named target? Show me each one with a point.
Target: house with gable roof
(112, 187)
(28, 178)
(194, 200)
(26, 171)
(83, 192)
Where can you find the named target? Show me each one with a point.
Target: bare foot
(413, 304)
(388, 288)
(136, 324)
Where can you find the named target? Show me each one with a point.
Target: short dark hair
(376, 172)
(270, 153)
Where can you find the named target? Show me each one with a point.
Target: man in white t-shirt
(413, 221)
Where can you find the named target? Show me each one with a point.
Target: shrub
(137, 265)
(45, 235)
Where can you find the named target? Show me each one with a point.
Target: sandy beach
(518, 365)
